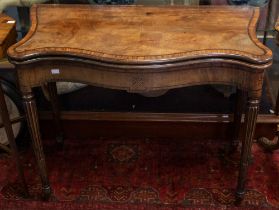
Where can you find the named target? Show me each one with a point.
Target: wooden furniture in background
(271, 145)
(7, 33)
(7, 38)
(141, 49)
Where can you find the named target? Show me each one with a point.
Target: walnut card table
(141, 49)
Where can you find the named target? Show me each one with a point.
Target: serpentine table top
(141, 35)
(142, 49)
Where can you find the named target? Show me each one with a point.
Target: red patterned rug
(141, 174)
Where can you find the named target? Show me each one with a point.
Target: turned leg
(249, 128)
(33, 123)
(238, 111)
(10, 135)
(52, 90)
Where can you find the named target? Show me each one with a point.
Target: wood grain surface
(141, 34)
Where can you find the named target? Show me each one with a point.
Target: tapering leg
(249, 128)
(52, 89)
(33, 123)
(238, 111)
(10, 135)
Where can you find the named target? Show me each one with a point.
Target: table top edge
(17, 57)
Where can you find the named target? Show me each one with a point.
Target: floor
(141, 173)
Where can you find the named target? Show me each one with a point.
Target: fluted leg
(52, 89)
(238, 111)
(249, 128)
(32, 119)
(10, 135)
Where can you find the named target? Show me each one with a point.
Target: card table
(141, 49)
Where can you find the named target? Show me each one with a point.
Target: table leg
(32, 120)
(10, 135)
(53, 96)
(238, 111)
(249, 128)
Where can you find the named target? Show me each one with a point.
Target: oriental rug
(126, 173)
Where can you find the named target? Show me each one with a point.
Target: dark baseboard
(150, 125)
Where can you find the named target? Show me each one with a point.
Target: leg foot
(46, 193)
(269, 145)
(238, 198)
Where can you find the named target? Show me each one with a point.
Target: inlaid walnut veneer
(141, 49)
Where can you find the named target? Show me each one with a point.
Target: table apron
(36, 74)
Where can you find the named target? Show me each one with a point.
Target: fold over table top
(142, 35)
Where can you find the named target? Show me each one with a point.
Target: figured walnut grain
(139, 34)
